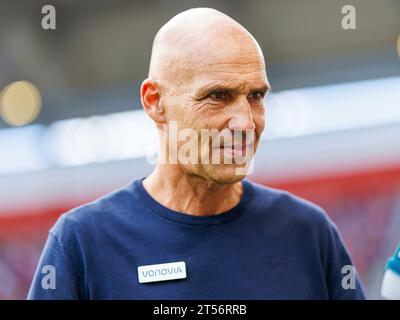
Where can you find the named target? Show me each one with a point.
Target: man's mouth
(238, 150)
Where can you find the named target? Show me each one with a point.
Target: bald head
(193, 38)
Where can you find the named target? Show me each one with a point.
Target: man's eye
(256, 95)
(219, 95)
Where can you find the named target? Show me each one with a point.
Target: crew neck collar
(184, 218)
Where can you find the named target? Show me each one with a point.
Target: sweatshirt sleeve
(60, 271)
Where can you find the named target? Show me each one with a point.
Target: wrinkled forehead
(236, 70)
(225, 47)
(229, 62)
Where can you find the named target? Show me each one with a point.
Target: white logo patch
(162, 272)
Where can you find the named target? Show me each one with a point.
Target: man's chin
(228, 174)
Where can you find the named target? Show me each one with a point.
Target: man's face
(224, 92)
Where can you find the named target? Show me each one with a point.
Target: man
(198, 229)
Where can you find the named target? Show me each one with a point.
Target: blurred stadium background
(71, 128)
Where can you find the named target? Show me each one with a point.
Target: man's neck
(191, 194)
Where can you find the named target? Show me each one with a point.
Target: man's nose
(241, 117)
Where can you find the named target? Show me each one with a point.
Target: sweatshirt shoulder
(290, 206)
(89, 215)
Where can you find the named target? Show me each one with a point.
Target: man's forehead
(227, 67)
(230, 70)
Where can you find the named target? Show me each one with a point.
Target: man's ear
(150, 96)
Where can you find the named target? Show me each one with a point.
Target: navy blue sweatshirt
(271, 245)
